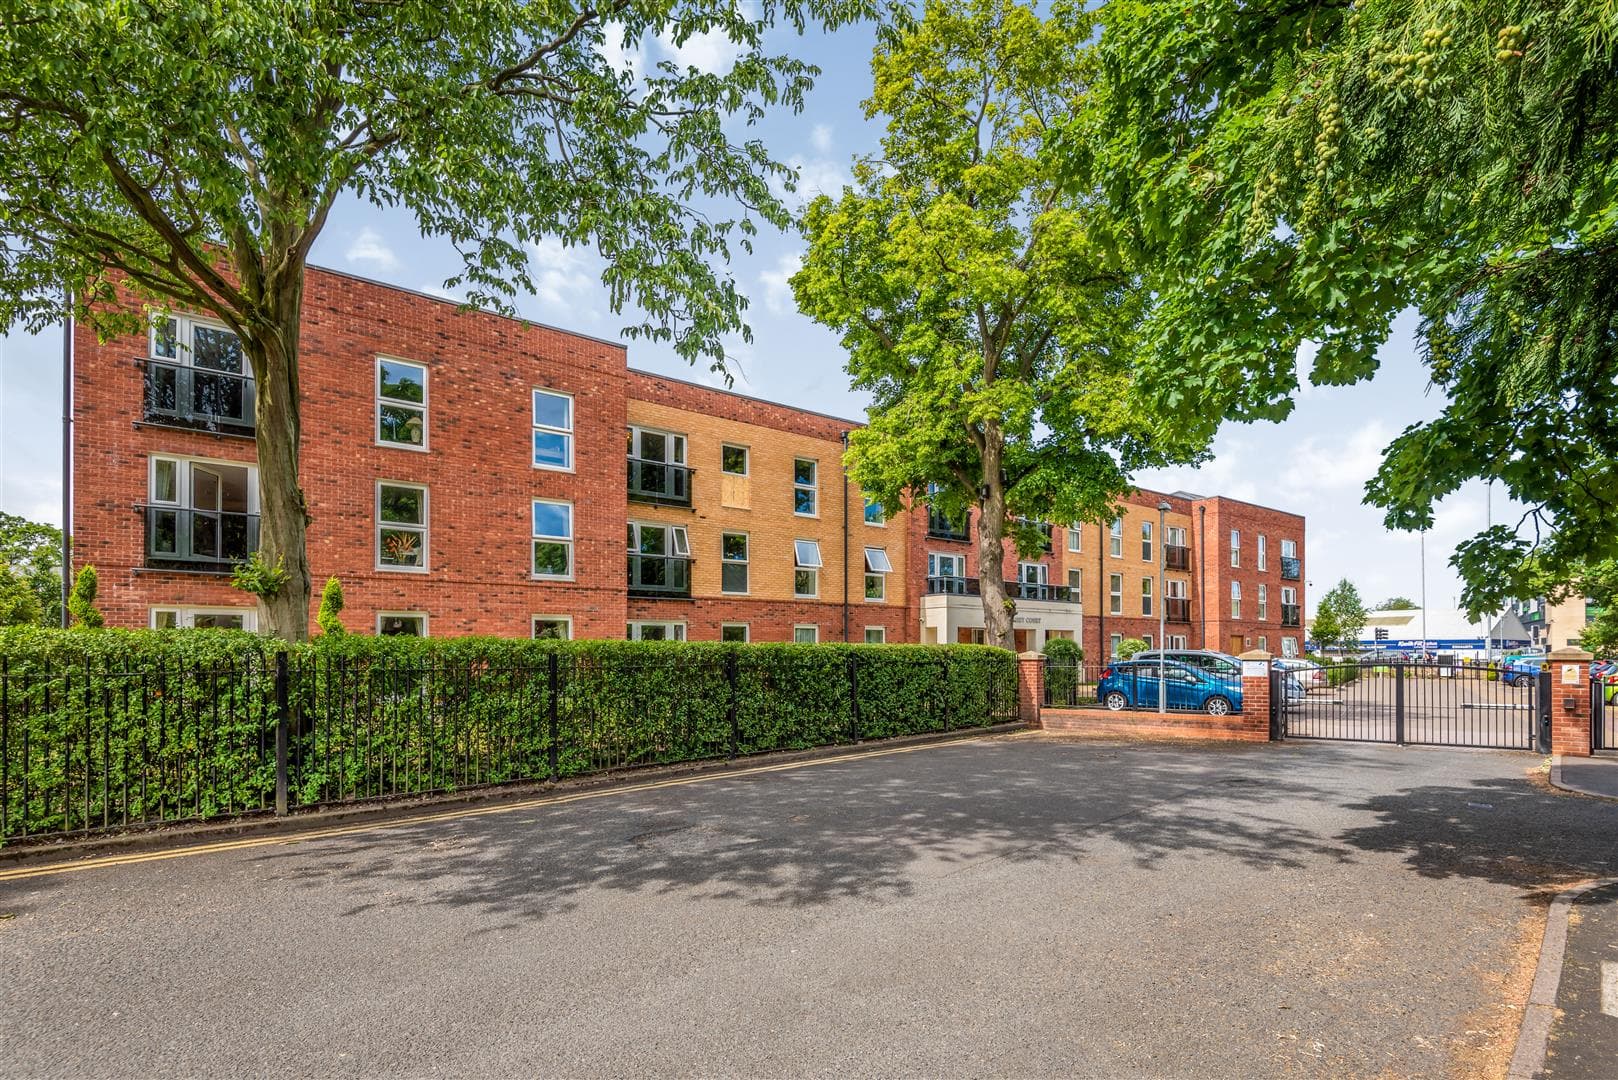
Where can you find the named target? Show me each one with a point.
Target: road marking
(450, 815)
(1609, 987)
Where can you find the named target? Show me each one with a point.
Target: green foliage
(255, 575)
(974, 288)
(1397, 603)
(186, 727)
(19, 606)
(1306, 172)
(31, 553)
(81, 602)
(1339, 617)
(191, 151)
(1064, 668)
(331, 607)
(1129, 646)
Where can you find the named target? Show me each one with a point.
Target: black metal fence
(1603, 717)
(1071, 683)
(1421, 704)
(1125, 684)
(86, 748)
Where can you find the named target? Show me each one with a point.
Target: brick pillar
(1256, 695)
(1030, 687)
(1570, 702)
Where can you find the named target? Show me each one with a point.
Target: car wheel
(1519, 680)
(1217, 706)
(1116, 701)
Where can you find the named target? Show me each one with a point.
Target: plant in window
(401, 548)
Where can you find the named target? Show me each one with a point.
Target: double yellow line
(105, 861)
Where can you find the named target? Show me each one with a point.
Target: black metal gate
(1415, 704)
(1603, 718)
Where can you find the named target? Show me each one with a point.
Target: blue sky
(1315, 463)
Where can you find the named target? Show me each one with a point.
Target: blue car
(1133, 684)
(1522, 670)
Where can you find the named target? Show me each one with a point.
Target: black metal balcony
(1017, 590)
(659, 575)
(178, 395)
(1177, 609)
(209, 541)
(659, 482)
(1291, 569)
(1291, 615)
(1176, 557)
(940, 527)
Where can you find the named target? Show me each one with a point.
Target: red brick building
(466, 473)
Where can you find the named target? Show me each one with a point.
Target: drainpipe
(1104, 592)
(67, 452)
(1202, 574)
(846, 570)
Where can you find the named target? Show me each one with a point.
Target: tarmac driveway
(1022, 906)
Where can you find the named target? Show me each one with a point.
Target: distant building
(1446, 631)
(1554, 626)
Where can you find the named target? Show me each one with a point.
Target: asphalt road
(1462, 711)
(1020, 906)
(1584, 1037)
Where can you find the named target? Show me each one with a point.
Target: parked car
(1307, 672)
(1133, 684)
(1223, 666)
(1521, 671)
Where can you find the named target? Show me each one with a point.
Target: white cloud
(820, 138)
(711, 51)
(1321, 466)
(369, 248)
(777, 289)
(629, 58)
(816, 176)
(564, 277)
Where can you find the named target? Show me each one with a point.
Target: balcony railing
(1291, 569)
(940, 527)
(1177, 609)
(1176, 557)
(659, 575)
(212, 541)
(659, 482)
(1291, 615)
(1017, 590)
(179, 395)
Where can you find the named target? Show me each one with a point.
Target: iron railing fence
(1418, 704)
(1603, 716)
(1017, 590)
(180, 395)
(183, 537)
(1071, 684)
(97, 746)
(659, 575)
(659, 482)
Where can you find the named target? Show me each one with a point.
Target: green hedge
(112, 727)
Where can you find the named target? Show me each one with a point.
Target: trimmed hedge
(114, 727)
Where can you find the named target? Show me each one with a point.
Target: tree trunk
(283, 514)
(998, 609)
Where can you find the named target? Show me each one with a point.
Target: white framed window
(734, 631)
(401, 624)
(1176, 641)
(1033, 573)
(198, 370)
(1263, 643)
(200, 511)
(1075, 537)
(1289, 549)
(553, 430)
(1263, 602)
(876, 635)
(552, 627)
(1115, 539)
(733, 563)
(401, 404)
(655, 538)
(656, 631)
(1148, 639)
(806, 634)
(202, 618)
(1075, 583)
(945, 566)
(877, 569)
(733, 459)
(553, 539)
(1115, 594)
(402, 514)
(1235, 599)
(1146, 541)
(1289, 595)
(875, 516)
(1235, 547)
(1113, 643)
(196, 341)
(1174, 588)
(1289, 646)
(805, 487)
(1174, 536)
(657, 447)
(1263, 555)
(806, 566)
(1145, 596)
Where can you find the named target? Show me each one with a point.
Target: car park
(1223, 666)
(1521, 671)
(1134, 683)
(1310, 674)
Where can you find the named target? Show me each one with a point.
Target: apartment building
(468, 473)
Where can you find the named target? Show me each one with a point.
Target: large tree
(978, 304)
(31, 560)
(1339, 617)
(1307, 171)
(192, 151)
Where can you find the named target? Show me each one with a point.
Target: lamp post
(1162, 606)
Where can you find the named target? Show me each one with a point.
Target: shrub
(1129, 646)
(331, 606)
(1063, 669)
(181, 723)
(81, 602)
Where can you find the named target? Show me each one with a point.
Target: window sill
(381, 445)
(403, 569)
